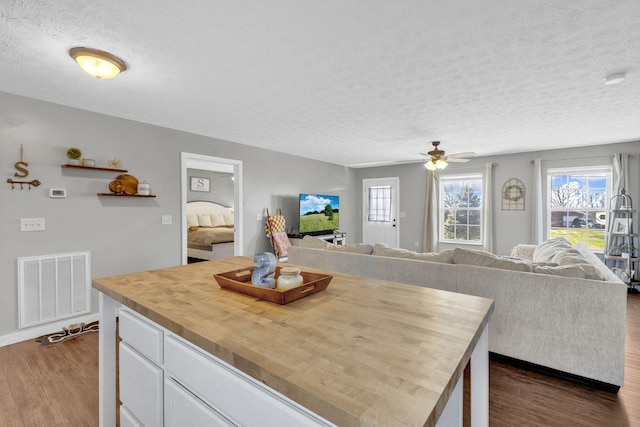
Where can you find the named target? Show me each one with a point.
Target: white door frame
(395, 205)
(215, 164)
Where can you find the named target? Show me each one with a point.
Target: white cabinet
(167, 381)
(141, 374)
(141, 386)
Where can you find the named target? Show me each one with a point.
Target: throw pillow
(568, 257)
(523, 252)
(546, 250)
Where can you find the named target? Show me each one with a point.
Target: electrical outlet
(31, 224)
(167, 220)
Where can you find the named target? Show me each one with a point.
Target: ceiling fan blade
(463, 155)
(456, 160)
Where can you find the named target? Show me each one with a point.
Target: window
(461, 209)
(577, 204)
(380, 204)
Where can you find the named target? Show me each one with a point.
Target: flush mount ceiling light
(614, 79)
(97, 63)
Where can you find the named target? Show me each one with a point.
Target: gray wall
(125, 234)
(510, 227)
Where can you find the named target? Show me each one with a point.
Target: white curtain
(487, 207)
(619, 182)
(430, 238)
(537, 232)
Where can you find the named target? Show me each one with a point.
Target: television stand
(337, 238)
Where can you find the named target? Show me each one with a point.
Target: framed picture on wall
(200, 184)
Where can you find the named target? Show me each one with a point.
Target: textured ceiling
(344, 81)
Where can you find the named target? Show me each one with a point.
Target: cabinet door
(141, 386)
(127, 419)
(181, 408)
(142, 335)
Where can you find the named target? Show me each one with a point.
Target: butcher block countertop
(364, 352)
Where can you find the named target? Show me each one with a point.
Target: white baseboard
(41, 330)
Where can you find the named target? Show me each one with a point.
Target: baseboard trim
(45, 329)
(588, 382)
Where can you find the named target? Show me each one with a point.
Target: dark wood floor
(57, 387)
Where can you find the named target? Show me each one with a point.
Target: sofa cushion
(380, 249)
(487, 259)
(314, 242)
(546, 250)
(578, 271)
(593, 259)
(356, 248)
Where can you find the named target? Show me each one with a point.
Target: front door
(380, 211)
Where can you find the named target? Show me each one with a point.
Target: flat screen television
(319, 213)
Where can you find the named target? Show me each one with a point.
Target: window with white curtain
(461, 200)
(380, 204)
(577, 204)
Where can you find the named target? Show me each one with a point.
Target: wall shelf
(93, 168)
(124, 195)
(621, 243)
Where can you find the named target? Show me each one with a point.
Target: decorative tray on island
(240, 281)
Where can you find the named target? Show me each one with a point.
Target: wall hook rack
(33, 183)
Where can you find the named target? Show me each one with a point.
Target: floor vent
(53, 287)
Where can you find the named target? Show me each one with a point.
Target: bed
(211, 230)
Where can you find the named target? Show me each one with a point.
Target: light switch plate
(31, 224)
(167, 220)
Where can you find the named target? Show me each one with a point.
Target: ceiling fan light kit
(437, 159)
(98, 63)
(433, 165)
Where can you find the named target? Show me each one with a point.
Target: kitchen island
(364, 352)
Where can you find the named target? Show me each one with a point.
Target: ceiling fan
(438, 160)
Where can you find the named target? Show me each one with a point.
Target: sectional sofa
(556, 306)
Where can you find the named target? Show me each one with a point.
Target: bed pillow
(217, 220)
(192, 220)
(204, 220)
(228, 219)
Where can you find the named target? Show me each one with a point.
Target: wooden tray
(240, 281)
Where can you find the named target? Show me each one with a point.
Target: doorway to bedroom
(217, 182)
